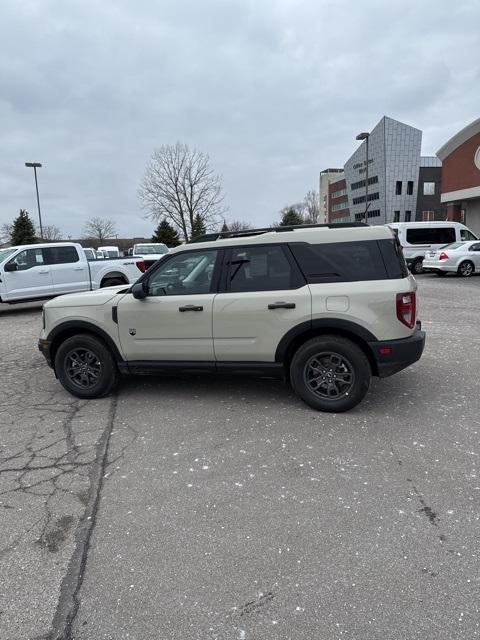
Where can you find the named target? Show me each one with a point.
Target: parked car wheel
(466, 268)
(85, 367)
(417, 266)
(330, 373)
(112, 282)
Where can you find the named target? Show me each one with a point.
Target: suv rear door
(263, 296)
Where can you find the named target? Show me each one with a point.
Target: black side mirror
(139, 291)
(11, 266)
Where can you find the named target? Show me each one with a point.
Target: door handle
(44, 271)
(282, 305)
(190, 307)
(78, 268)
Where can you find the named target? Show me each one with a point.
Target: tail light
(141, 265)
(407, 308)
(443, 256)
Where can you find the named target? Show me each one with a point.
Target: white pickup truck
(37, 271)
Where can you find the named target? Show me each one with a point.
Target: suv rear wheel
(85, 367)
(330, 373)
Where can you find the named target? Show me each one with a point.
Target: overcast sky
(273, 90)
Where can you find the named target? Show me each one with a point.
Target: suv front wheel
(85, 367)
(330, 373)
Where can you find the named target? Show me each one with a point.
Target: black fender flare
(73, 327)
(323, 325)
(114, 274)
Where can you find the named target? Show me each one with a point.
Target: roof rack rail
(222, 235)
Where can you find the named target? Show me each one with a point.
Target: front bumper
(44, 347)
(392, 356)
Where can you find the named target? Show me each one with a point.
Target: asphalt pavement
(203, 508)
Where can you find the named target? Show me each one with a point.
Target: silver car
(459, 257)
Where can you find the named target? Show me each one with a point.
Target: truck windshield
(4, 253)
(151, 248)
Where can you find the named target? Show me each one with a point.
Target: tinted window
(187, 273)
(475, 247)
(29, 258)
(259, 269)
(426, 235)
(60, 255)
(393, 258)
(341, 262)
(465, 234)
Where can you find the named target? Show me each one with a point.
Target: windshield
(4, 253)
(151, 248)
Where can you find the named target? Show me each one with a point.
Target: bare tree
(238, 225)
(51, 233)
(6, 232)
(311, 207)
(99, 229)
(180, 185)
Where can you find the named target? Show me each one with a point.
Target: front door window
(188, 273)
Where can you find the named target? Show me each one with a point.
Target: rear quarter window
(425, 235)
(350, 261)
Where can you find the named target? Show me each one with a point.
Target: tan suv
(326, 306)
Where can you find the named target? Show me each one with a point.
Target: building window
(410, 188)
(398, 188)
(340, 205)
(428, 216)
(337, 194)
(371, 196)
(396, 216)
(361, 183)
(428, 188)
(408, 216)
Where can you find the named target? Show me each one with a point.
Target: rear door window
(60, 255)
(261, 268)
(347, 261)
(429, 235)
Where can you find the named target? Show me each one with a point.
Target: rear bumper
(392, 356)
(436, 265)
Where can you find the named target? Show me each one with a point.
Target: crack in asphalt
(69, 600)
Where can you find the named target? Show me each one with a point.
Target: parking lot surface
(202, 508)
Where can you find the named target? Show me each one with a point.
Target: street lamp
(365, 136)
(35, 165)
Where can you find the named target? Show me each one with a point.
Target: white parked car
(417, 238)
(459, 257)
(110, 251)
(327, 306)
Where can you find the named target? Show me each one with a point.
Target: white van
(418, 237)
(110, 252)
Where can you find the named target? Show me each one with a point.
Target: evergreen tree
(23, 231)
(198, 226)
(290, 217)
(224, 227)
(166, 233)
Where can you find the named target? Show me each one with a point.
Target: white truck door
(26, 276)
(69, 270)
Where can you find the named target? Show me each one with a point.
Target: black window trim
(214, 285)
(297, 278)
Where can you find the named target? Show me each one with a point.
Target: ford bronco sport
(326, 306)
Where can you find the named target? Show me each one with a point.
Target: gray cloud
(274, 91)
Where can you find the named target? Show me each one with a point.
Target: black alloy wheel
(85, 366)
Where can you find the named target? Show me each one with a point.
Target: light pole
(35, 165)
(365, 136)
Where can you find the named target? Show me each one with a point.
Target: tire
(417, 266)
(332, 355)
(111, 282)
(441, 274)
(466, 269)
(100, 374)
